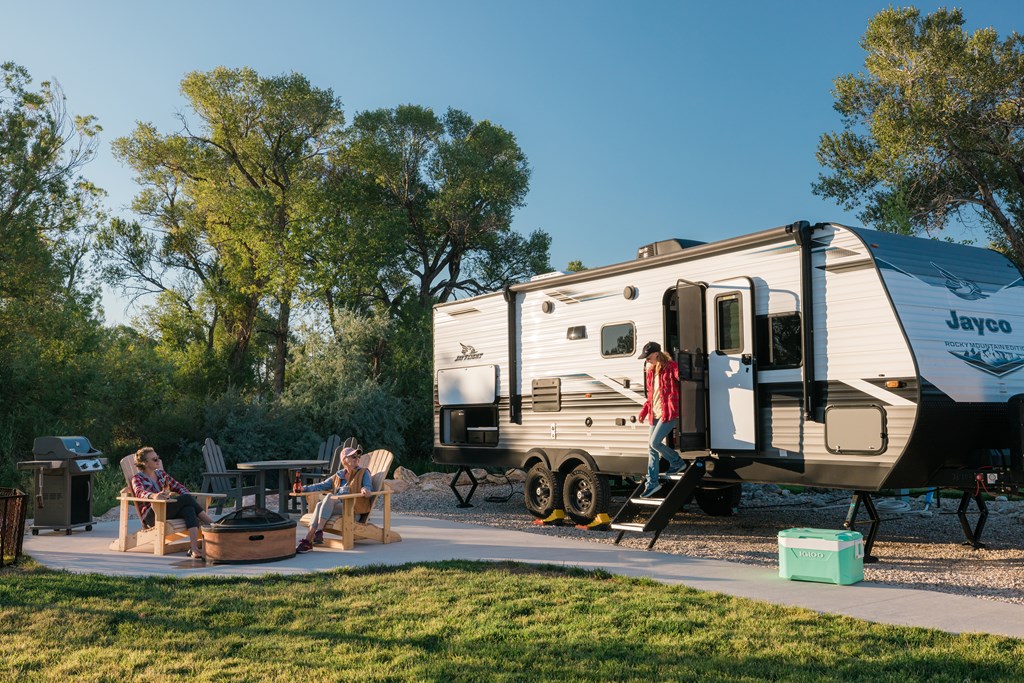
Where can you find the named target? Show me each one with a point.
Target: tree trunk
(281, 342)
(242, 332)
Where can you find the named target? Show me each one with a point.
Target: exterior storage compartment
(823, 555)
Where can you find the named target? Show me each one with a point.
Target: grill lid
(64, 447)
(252, 517)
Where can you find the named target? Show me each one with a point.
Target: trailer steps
(677, 489)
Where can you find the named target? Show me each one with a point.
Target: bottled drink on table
(297, 486)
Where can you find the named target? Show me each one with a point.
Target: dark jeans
(185, 508)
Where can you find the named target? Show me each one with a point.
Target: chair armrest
(151, 501)
(163, 501)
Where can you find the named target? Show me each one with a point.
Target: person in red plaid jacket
(662, 379)
(152, 482)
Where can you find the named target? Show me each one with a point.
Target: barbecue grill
(62, 482)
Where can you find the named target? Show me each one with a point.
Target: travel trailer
(816, 355)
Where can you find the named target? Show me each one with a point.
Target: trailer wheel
(586, 494)
(542, 491)
(718, 501)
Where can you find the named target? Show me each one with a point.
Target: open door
(731, 368)
(691, 355)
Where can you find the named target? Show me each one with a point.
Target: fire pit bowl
(248, 535)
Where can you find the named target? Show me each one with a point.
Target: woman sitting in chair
(154, 483)
(338, 483)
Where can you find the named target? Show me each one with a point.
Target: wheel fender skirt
(556, 517)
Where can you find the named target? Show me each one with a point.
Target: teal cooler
(823, 555)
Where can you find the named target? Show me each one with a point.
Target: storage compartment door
(466, 386)
(731, 373)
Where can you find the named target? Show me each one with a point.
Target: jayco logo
(979, 325)
(468, 353)
(811, 553)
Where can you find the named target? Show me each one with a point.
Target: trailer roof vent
(665, 247)
(545, 276)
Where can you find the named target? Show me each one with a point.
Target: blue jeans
(657, 449)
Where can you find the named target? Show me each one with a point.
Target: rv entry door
(731, 397)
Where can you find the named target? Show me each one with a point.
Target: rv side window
(778, 339)
(618, 340)
(730, 338)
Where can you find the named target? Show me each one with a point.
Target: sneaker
(678, 469)
(651, 490)
(304, 546)
(318, 538)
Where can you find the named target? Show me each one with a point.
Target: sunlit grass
(452, 621)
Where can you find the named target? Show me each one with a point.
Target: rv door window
(618, 340)
(778, 339)
(729, 323)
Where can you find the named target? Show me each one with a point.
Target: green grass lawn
(451, 621)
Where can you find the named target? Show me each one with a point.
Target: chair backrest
(327, 447)
(214, 459)
(129, 470)
(350, 442)
(378, 462)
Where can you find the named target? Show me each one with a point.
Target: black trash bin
(13, 510)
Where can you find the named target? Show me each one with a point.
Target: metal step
(628, 527)
(655, 502)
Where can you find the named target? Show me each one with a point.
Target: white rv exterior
(818, 355)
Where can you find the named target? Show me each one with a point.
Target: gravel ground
(916, 548)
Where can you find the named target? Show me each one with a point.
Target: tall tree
(447, 187)
(234, 197)
(44, 203)
(49, 332)
(933, 129)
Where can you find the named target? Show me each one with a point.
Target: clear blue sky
(641, 120)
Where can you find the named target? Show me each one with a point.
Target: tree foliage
(933, 129)
(262, 212)
(233, 202)
(445, 189)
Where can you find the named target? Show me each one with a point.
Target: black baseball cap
(649, 348)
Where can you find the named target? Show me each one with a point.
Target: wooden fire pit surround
(249, 535)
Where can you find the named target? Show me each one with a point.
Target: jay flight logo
(468, 353)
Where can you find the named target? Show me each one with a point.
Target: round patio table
(284, 479)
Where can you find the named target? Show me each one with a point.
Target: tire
(542, 491)
(585, 494)
(720, 500)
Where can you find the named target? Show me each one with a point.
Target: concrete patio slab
(429, 540)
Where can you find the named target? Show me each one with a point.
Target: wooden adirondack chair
(342, 529)
(219, 479)
(166, 535)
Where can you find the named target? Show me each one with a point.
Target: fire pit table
(249, 535)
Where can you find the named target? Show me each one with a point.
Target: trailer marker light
(895, 384)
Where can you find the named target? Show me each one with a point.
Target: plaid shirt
(143, 487)
(668, 387)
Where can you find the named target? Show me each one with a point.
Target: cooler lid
(821, 534)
